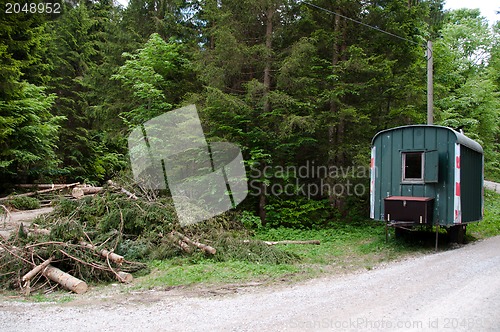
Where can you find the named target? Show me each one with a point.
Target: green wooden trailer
(426, 175)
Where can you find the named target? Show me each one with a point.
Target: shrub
(250, 220)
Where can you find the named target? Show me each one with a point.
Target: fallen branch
(13, 251)
(272, 243)
(123, 190)
(91, 264)
(203, 247)
(122, 277)
(66, 280)
(104, 253)
(41, 185)
(45, 244)
(33, 193)
(37, 269)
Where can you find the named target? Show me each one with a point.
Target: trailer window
(413, 166)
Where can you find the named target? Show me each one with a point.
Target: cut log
(203, 247)
(184, 246)
(125, 277)
(79, 192)
(37, 269)
(181, 244)
(33, 193)
(123, 190)
(272, 243)
(66, 280)
(105, 253)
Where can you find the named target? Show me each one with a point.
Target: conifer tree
(28, 130)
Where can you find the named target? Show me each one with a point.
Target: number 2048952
(33, 8)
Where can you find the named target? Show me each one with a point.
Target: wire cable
(364, 24)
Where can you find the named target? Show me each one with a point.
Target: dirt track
(453, 290)
(10, 222)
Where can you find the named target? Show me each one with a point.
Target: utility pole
(430, 84)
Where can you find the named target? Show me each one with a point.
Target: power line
(364, 24)
(429, 56)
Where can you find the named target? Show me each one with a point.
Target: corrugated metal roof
(461, 138)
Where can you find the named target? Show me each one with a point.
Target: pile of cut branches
(109, 234)
(80, 241)
(41, 263)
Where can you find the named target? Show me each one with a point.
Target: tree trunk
(67, 281)
(104, 253)
(267, 103)
(124, 277)
(40, 191)
(335, 131)
(41, 186)
(262, 198)
(123, 190)
(269, 51)
(181, 244)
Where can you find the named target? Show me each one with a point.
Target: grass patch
(344, 247)
(207, 271)
(490, 225)
(58, 296)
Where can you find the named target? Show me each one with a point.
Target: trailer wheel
(456, 233)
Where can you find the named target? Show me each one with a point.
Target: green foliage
(28, 134)
(250, 220)
(28, 129)
(24, 203)
(301, 213)
(79, 51)
(114, 214)
(67, 230)
(469, 97)
(139, 249)
(157, 76)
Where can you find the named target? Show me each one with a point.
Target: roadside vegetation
(345, 247)
(139, 230)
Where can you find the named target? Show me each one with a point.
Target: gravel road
(456, 290)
